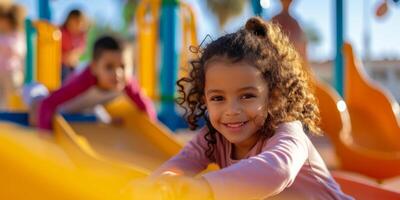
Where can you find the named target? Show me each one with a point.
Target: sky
(318, 14)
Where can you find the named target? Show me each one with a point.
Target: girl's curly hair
(263, 45)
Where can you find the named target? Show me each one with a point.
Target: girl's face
(236, 98)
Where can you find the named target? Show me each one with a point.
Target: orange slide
(366, 139)
(373, 111)
(352, 156)
(363, 189)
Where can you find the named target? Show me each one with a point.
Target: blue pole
(30, 57)
(257, 9)
(44, 10)
(338, 70)
(170, 40)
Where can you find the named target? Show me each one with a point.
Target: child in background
(102, 81)
(258, 104)
(12, 50)
(292, 28)
(73, 41)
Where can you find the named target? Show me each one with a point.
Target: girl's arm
(71, 89)
(266, 174)
(132, 89)
(189, 161)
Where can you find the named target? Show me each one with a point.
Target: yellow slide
(34, 166)
(82, 160)
(136, 142)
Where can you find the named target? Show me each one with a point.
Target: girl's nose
(233, 108)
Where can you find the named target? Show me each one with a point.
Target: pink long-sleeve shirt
(286, 166)
(78, 92)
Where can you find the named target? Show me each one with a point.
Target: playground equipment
(76, 165)
(353, 156)
(174, 23)
(48, 51)
(43, 64)
(35, 166)
(47, 39)
(189, 38)
(69, 165)
(66, 167)
(374, 113)
(147, 15)
(362, 189)
(137, 141)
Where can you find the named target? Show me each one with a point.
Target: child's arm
(71, 89)
(266, 174)
(132, 89)
(189, 161)
(177, 173)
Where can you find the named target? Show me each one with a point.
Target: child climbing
(102, 81)
(257, 101)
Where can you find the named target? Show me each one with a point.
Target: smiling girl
(259, 106)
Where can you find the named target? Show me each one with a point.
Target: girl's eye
(217, 98)
(248, 96)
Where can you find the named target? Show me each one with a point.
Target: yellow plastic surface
(48, 55)
(137, 142)
(15, 102)
(33, 166)
(147, 15)
(189, 38)
(83, 161)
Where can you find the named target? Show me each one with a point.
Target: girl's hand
(184, 187)
(169, 186)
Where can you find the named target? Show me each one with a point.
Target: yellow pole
(48, 55)
(147, 21)
(189, 38)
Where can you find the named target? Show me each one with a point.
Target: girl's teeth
(236, 125)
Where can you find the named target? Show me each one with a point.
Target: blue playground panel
(21, 118)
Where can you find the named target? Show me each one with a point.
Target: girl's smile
(235, 126)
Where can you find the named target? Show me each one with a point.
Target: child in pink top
(73, 41)
(12, 50)
(103, 80)
(258, 104)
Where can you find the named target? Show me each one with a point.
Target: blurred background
(374, 38)
(352, 48)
